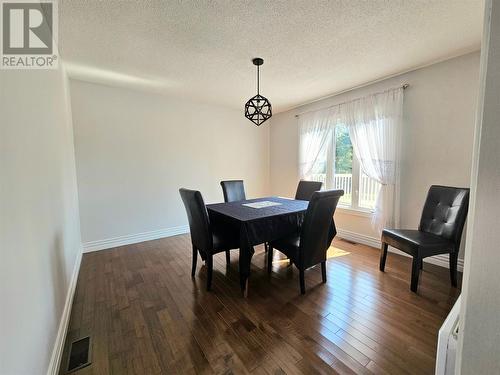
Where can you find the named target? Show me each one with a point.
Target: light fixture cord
(257, 80)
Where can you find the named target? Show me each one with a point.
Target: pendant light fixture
(258, 108)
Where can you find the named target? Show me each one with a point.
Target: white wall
(479, 334)
(39, 224)
(134, 150)
(437, 136)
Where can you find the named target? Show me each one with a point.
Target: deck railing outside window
(368, 189)
(368, 192)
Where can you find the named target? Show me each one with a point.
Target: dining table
(255, 221)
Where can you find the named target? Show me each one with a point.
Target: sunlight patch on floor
(334, 252)
(281, 261)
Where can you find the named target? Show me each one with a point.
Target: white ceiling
(203, 49)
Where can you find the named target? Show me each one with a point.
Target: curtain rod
(404, 87)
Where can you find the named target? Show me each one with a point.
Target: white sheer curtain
(316, 141)
(374, 124)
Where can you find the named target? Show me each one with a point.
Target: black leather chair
(202, 237)
(439, 232)
(309, 247)
(306, 189)
(233, 190)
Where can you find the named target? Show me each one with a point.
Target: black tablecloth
(258, 225)
(254, 226)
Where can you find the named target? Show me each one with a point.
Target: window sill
(354, 211)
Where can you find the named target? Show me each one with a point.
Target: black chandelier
(258, 108)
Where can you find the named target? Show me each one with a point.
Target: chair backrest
(199, 224)
(445, 211)
(233, 190)
(315, 236)
(306, 189)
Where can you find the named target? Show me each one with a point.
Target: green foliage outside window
(343, 150)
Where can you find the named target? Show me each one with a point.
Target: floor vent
(349, 241)
(79, 354)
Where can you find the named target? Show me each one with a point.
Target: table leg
(244, 268)
(246, 253)
(245, 291)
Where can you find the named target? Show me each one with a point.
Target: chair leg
(203, 256)
(415, 271)
(266, 246)
(323, 271)
(210, 266)
(383, 256)
(195, 258)
(302, 282)
(269, 259)
(453, 268)
(421, 264)
(228, 258)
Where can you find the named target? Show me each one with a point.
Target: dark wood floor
(147, 316)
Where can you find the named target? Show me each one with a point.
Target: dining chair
(233, 190)
(309, 247)
(439, 232)
(203, 240)
(306, 189)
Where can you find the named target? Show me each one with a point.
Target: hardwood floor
(147, 316)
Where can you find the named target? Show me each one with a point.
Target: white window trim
(354, 212)
(353, 208)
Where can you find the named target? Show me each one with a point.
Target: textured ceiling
(203, 49)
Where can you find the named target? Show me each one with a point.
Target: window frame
(329, 182)
(356, 181)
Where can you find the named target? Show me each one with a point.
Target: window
(343, 164)
(360, 191)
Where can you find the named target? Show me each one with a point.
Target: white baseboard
(55, 359)
(109, 243)
(439, 260)
(359, 238)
